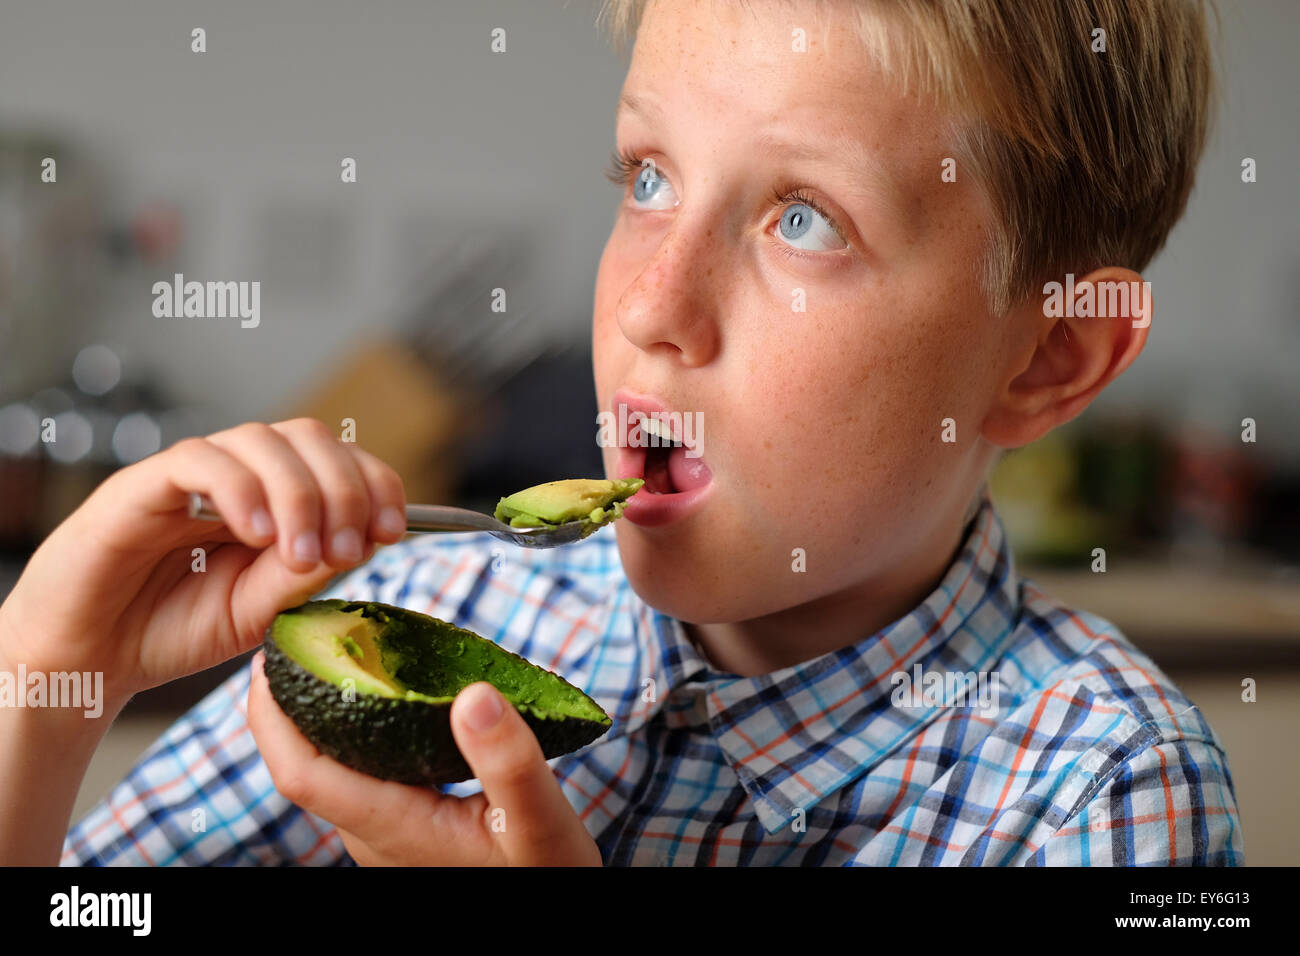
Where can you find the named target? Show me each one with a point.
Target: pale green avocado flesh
(371, 685)
(594, 500)
(386, 655)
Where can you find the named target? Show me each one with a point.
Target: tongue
(658, 481)
(687, 473)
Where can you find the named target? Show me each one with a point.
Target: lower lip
(649, 510)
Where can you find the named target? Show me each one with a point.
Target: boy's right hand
(112, 588)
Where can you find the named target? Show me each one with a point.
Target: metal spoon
(444, 518)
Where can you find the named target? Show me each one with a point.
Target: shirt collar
(797, 735)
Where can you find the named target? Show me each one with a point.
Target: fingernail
(347, 544)
(306, 547)
(392, 521)
(262, 525)
(484, 711)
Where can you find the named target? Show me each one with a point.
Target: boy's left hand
(386, 823)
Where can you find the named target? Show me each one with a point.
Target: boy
(837, 224)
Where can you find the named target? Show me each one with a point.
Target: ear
(1076, 339)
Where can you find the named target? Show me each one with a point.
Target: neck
(774, 641)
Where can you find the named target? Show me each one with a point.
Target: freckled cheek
(787, 434)
(838, 405)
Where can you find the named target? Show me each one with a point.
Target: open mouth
(668, 468)
(658, 474)
(676, 478)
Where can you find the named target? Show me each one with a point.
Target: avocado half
(371, 685)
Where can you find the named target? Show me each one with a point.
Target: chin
(693, 585)
(669, 583)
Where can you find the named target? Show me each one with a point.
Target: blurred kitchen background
(479, 171)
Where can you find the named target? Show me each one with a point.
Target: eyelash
(625, 167)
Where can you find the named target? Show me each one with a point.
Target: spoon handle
(445, 518)
(418, 517)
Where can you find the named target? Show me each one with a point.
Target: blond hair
(1086, 158)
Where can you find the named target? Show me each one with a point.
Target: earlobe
(1077, 338)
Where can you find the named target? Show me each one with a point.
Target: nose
(670, 307)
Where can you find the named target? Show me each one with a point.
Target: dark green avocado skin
(404, 741)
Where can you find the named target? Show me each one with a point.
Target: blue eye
(796, 221)
(802, 218)
(801, 221)
(651, 185)
(647, 182)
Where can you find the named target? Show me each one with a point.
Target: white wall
(1225, 338)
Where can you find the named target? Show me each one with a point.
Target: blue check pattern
(1088, 754)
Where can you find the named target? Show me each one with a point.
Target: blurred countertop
(1190, 615)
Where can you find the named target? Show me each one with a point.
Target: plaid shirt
(1088, 755)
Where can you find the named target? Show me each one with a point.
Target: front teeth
(657, 429)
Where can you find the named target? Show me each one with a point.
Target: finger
(387, 496)
(540, 826)
(138, 508)
(354, 801)
(290, 485)
(360, 851)
(344, 494)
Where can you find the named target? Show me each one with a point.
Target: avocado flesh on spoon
(595, 501)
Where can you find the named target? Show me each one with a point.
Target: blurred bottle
(1212, 480)
(52, 257)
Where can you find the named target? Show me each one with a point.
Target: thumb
(268, 586)
(538, 826)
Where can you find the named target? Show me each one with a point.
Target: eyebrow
(869, 177)
(635, 104)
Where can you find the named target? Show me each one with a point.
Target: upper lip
(648, 405)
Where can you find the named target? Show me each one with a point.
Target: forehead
(771, 60)
(767, 72)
